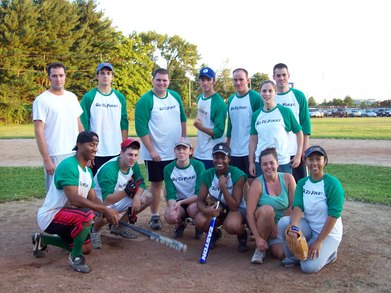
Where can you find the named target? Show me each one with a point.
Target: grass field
(348, 128)
(369, 186)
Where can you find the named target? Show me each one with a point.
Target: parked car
(354, 113)
(383, 112)
(339, 112)
(315, 113)
(328, 113)
(368, 113)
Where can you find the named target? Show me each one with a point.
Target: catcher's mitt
(210, 201)
(132, 187)
(296, 242)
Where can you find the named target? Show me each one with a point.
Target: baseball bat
(208, 239)
(172, 243)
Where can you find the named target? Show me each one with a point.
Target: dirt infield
(142, 265)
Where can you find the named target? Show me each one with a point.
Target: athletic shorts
(99, 162)
(242, 164)
(68, 223)
(207, 163)
(155, 170)
(225, 210)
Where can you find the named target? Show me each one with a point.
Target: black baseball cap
(85, 136)
(222, 148)
(315, 149)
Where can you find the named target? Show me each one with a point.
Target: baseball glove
(132, 187)
(296, 242)
(210, 201)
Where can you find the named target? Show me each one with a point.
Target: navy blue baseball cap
(208, 72)
(222, 148)
(103, 65)
(315, 149)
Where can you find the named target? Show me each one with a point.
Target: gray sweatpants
(327, 252)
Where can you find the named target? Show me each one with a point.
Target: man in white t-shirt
(56, 115)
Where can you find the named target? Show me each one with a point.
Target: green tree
(133, 67)
(224, 85)
(179, 57)
(311, 102)
(348, 101)
(256, 80)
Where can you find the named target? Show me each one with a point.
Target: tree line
(34, 33)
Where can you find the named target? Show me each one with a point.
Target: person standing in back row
(160, 121)
(241, 106)
(56, 115)
(211, 115)
(297, 102)
(105, 113)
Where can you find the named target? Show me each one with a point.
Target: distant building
(368, 102)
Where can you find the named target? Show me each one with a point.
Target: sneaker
(154, 222)
(289, 262)
(198, 234)
(38, 247)
(217, 234)
(96, 240)
(124, 232)
(78, 263)
(243, 247)
(179, 230)
(258, 256)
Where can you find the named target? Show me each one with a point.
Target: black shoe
(243, 247)
(198, 234)
(38, 247)
(217, 234)
(179, 230)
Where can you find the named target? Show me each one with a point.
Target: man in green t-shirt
(68, 211)
(113, 185)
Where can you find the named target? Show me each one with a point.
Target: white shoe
(258, 256)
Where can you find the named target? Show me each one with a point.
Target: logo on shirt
(106, 105)
(184, 178)
(312, 192)
(233, 108)
(265, 121)
(167, 108)
(288, 104)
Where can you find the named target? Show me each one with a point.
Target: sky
(333, 48)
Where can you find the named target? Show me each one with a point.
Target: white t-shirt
(59, 114)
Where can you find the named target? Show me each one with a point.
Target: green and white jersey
(210, 179)
(320, 199)
(182, 183)
(279, 203)
(297, 102)
(68, 173)
(161, 118)
(212, 112)
(110, 179)
(272, 129)
(240, 110)
(106, 115)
